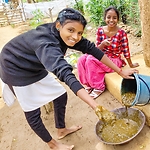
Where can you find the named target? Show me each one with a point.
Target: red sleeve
(125, 45)
(99, 36)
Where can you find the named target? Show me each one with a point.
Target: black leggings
(35, 121)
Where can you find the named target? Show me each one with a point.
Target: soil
(15, 133)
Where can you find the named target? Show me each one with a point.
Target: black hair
(71, 14)
(111, 8)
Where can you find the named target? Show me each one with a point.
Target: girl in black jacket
(25, 63)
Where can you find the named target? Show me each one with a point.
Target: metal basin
(119, 113)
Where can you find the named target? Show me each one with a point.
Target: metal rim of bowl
(126, 141)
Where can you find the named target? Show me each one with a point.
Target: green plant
(129, 12)
(12, 25)
(95, 9)
(37, 18)
(79, 5)
(72, 58)
(133, 17)
(134, 13)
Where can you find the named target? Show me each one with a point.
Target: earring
(58, 29)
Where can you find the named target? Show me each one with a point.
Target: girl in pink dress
(113, 41)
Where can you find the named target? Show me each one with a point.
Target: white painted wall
(57, 6)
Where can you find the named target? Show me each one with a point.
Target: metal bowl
(119, 113)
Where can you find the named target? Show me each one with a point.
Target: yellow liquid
(121, 129)
(128, 98)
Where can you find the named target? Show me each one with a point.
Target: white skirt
(35, 95)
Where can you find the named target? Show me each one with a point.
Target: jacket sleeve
(85, 46)
(53, 60)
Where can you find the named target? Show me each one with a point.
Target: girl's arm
(126, 51)
(100, 111)
(123, 73)
(132, 65)
(82, 94)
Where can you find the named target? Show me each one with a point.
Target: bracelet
(120, 71)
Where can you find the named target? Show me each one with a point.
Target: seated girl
(113, 41)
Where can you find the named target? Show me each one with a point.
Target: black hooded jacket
(29, 57)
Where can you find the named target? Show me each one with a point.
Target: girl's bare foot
(58, 146)
(65, 131)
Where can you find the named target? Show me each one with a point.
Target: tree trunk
(145, 24)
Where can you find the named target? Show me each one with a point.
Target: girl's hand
(127, 73)
(104, 115)
(134, 65)
(107, 42)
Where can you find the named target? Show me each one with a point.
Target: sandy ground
(15, 133)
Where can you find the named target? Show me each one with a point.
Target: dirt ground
(15, 133)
